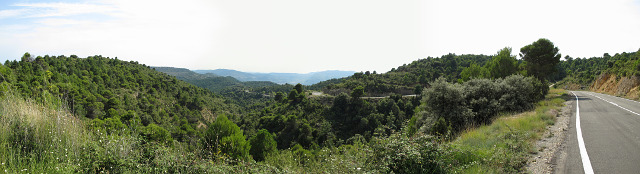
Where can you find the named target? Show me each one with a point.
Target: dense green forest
(219, 124)
(251, 95)
(584, 71)
(406, 78)
(115, 93)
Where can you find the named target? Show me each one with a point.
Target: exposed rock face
(610, 84)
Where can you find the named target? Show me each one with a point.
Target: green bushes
(401, 154)
(262, 145)
(224, 136)
(477, 101)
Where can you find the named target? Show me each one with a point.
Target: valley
(434, 115)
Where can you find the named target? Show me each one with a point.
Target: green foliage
(401, 154)
(298, 88)
(262, 145)
(477, 101)
(583, 71)
(418, 89)
(541, 58)
(118, 94)
(473, 71)
(226, 137)
(448, 101)
(403, 79)
(357, 92)
(156, 133)
(279, 97)
(134, 114)
(502, 65)
(441, 127)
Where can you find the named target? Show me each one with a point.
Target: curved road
(603, 136)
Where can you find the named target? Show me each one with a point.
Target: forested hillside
(117, 93)
(249, 94)
(406, 78)
(164, 124)
(210, 81)
(584, 71)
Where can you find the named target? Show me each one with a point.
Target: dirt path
(551, 142)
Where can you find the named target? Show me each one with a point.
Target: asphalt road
(610, 131)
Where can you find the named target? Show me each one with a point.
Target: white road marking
(586, 163)
(615, 104)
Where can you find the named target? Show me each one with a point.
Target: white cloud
(39, 10)
(151, 32)
(11, 13)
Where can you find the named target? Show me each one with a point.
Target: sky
(303, 36)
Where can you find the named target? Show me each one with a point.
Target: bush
(224, 136)
(262, 144)
(156, 133)
(400, 154)
(448, 101)
(476, 101)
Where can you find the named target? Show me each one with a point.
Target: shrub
(475, 102)
(226, 137)
(156, 133)
(400, 154)
(262, 144)
(448, 100)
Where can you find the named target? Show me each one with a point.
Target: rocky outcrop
(619, 86)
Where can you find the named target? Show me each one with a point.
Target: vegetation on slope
(584, 71)
(292, 132)
(118, 94)
(406, 78)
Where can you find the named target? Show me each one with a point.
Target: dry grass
(38, 137)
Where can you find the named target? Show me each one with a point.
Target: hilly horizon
(280, 78)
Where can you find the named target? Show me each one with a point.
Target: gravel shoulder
(551, 142)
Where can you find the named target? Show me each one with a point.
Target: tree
(418, 89)
(155, 133)
(26, 57)
(226, 137)
(298, 88)
(502, 65)
(541, 58)
(293, 96)
(357, 92)
(262, 144)
(473, 71)
(279, 96)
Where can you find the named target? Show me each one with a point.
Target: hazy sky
(306, 36)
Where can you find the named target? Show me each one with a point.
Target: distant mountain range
(280, 78)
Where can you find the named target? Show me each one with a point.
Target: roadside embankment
(619, 86)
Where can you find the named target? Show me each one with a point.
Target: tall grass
(504, 145)
(38, 137)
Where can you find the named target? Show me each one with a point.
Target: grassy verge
(38, 137)
(504, 145)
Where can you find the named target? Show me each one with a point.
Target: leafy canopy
(226, 137)
(541, 58)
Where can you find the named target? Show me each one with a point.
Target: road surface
(603, 136)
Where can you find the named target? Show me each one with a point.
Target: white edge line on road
(615, 104)
(586, 163)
